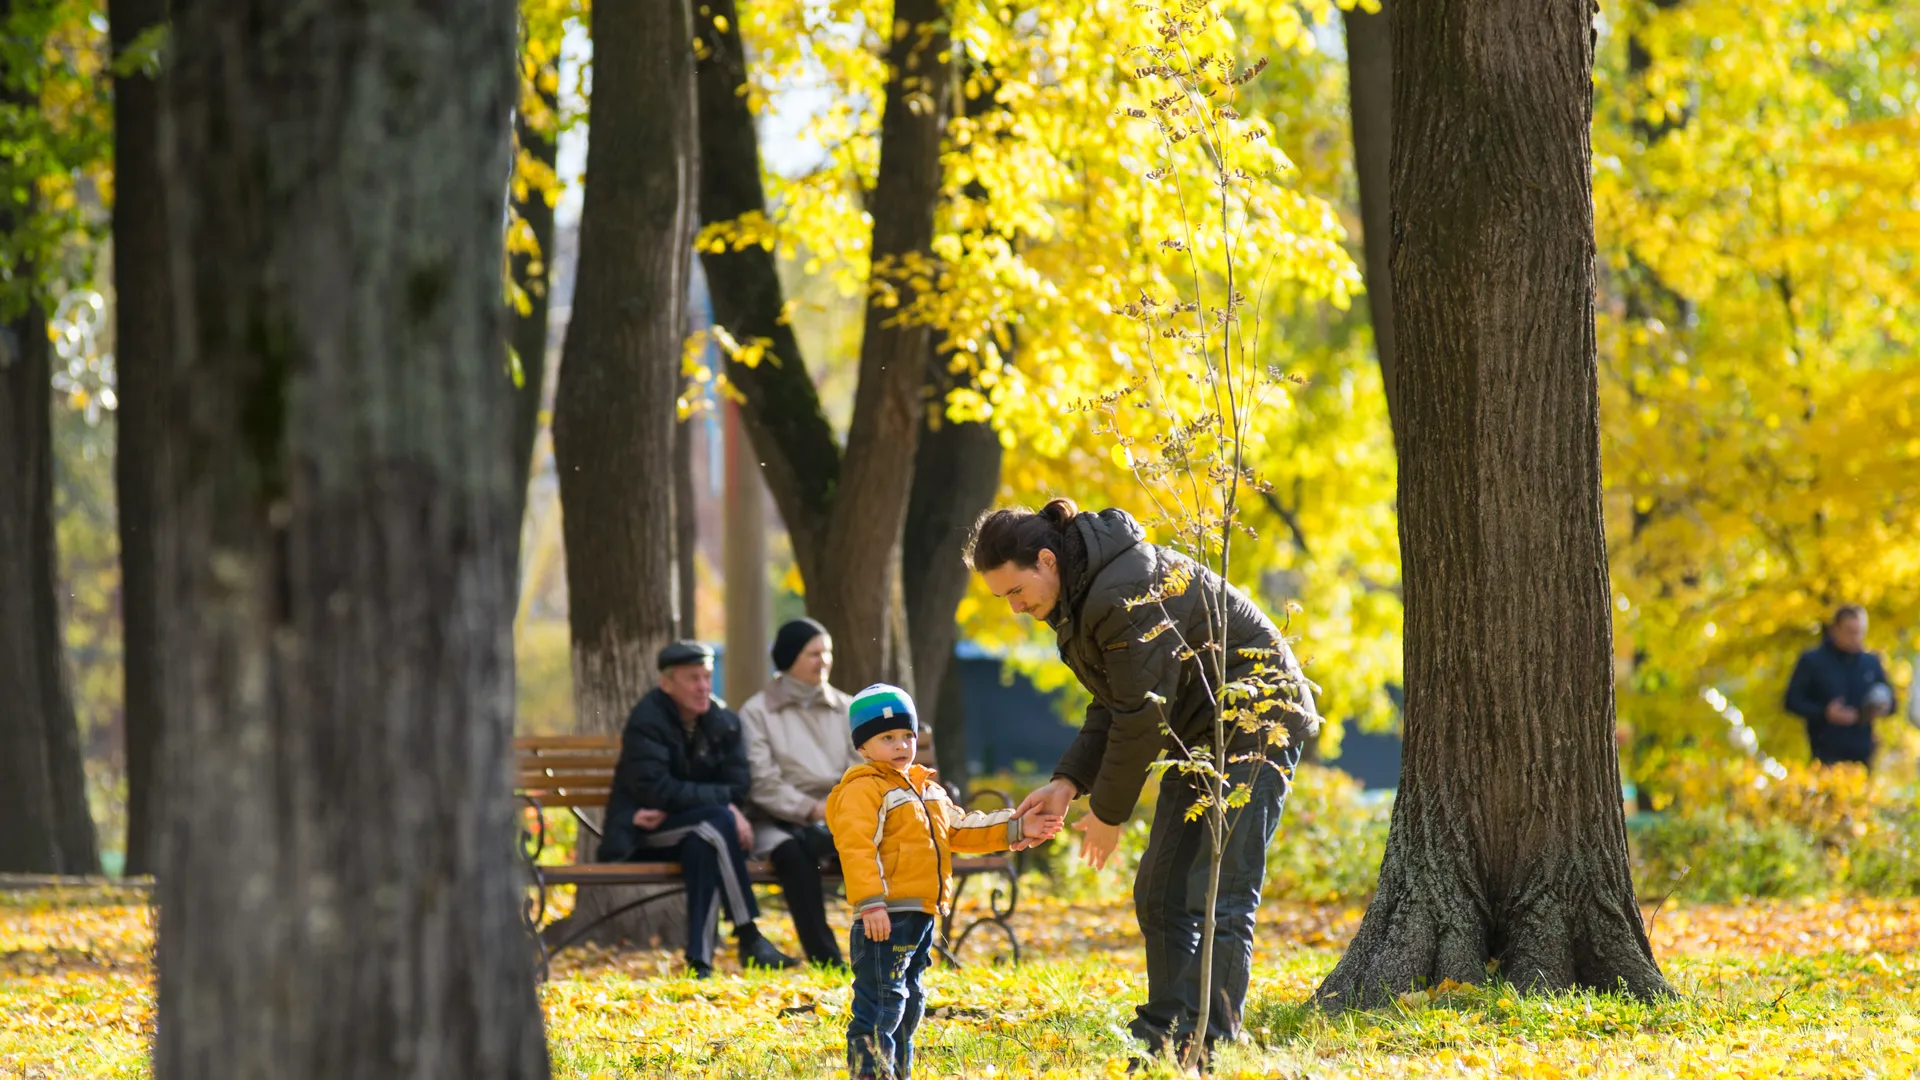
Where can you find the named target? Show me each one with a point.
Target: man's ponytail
(1018, 535)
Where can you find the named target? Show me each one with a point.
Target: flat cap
(685, 652)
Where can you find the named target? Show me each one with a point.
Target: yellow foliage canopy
(1757, 177)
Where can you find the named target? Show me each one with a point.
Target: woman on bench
(798, 748)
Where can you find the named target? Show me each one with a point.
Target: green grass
(1767, 989)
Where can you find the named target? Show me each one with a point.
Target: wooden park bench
(575, 773)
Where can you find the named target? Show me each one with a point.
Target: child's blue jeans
(887, 1000)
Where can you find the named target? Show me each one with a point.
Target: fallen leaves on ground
(1787, 988)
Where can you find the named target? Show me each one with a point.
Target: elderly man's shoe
(757, 951)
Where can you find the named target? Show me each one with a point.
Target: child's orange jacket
(897, 834)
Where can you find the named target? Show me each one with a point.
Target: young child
(897, 832)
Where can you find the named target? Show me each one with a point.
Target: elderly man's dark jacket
(1108, 640)
(664, 765)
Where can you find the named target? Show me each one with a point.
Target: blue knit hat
(880, 708)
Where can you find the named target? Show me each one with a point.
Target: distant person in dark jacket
(1084, 574)
(677, 797)
(1840, 689)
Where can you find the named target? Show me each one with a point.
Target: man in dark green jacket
(1139, 625)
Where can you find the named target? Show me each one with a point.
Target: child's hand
(879, 927)
(1040, 825)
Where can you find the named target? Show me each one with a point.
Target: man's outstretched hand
(1049, 801)
(1097, 840)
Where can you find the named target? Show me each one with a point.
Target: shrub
(1807, 830)
(1331, 839)
(1886, 861)
(1712, 855)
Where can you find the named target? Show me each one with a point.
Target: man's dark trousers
(1170, 899)
(706, 844)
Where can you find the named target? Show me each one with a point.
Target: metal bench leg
(533, 910)
(1000, 905)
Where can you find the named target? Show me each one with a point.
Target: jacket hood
(1094, 541)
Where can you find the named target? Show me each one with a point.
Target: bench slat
(567, 742)
(529, 762)
(527, 778)
(552, 799)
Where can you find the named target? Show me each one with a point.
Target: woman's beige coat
(797, 751)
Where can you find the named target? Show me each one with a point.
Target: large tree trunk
(790, 433)
(338, 888)
(534, 275)
(66, 762)
(614, 416)
(870, 502)
(1507, 840)
(143, 336)
(614, 420)
(44, 776)
(844, 515)
(1370, 107)
(39, 745)
(956, 475)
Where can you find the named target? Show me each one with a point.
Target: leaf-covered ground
(1787, 988)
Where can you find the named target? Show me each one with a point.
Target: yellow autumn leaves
(1815, 988)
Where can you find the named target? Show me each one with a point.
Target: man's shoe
(757, 951)
(834, 966)
(697, 970)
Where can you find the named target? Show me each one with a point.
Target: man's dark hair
(1849, 611)
(1018, 535)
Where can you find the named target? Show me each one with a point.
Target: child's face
(895, 748)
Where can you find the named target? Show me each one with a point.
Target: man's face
(1033, 591)
(1849, 633)
(690, 686)
(815, 662)
(896, 748)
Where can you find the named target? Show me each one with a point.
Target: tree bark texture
(42, 779)
(845, 514)
(876, 477)
(143, 336)
(1507, 841)
(534, 275)
(338, 889)
(791, 436)
(613, 428)
(1370, 107)
(956, 475)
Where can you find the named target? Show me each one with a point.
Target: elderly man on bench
(677, 796)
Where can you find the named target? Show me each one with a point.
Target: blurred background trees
(1756, 188)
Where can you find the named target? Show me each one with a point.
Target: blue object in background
(1014, 726)
(1011, 726)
